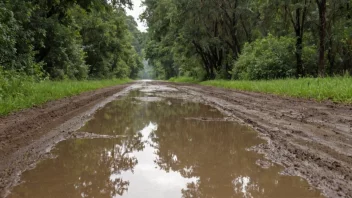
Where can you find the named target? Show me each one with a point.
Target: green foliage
(68, 39)
(7, 38)
(337, 89)
(310, 57)
(65, 58)
(267, 58)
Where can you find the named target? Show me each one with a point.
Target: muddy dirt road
(311, 140)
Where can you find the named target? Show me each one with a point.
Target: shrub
(267, 58)
(310, 57)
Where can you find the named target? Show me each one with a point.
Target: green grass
(20, 94)
(337, 89)
(184, 79)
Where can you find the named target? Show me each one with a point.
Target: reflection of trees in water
(84, 168)
(209, 151)
(102, 166)
(215, 154)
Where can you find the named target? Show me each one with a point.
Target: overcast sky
(137, 10)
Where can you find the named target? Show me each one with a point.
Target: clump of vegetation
(267, 58)
(273, 58)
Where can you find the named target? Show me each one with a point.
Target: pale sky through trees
(137, 10)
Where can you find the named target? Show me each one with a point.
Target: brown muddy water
(159, 147)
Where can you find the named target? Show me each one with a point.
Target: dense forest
(246, 40)
(69, 39)
(249, 40)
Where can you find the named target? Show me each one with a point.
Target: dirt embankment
(26, 136)
(312, 140)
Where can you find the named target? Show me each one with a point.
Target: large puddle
(159, 147)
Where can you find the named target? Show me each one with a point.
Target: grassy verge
(337, 89)
(184, 79)
(17, 95)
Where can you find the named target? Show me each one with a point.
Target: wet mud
(310, 139)
(131, 139)
(157, 148)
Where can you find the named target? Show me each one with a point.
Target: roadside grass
(20, 94)
(184, 79)
(336, 89)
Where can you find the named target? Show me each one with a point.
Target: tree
(322, 36)
(298, 19)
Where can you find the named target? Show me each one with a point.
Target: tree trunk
(331, 58)
(298, 26)
(322, 34)
(206, 63)
(212, 74)
(299, 49)
(298, 23)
